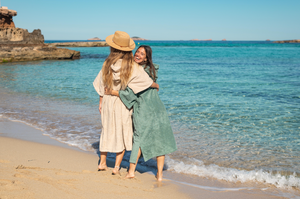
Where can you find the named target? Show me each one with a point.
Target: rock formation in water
(288, 41)
(201, 40)
(31, 53)
(80, 44)
(17, 44)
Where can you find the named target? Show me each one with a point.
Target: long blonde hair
(125, 71)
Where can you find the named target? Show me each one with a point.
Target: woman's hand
(155, 85)
(107, 91)
(157, 88)
(111, 92)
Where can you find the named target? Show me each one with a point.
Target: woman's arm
(111, 92)
(116, 93)
(100, 103)
(127, 96)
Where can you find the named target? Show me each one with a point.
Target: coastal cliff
(17, 44)
(6, 17)
(19, 36)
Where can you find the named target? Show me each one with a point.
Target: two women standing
(132, 81)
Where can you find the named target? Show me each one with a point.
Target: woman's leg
(160, 165)
(102, 165)
(119, 158)
(132, 166)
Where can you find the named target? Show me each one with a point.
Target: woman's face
(140, 55)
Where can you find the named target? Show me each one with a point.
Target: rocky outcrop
(80, 44)
(6, 17)
(11, 54)
(9, 35)
(288, 41)
(17, 44)
(15, 36)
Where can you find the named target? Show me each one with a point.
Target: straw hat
(121, 41)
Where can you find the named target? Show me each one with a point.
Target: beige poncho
(117, 130)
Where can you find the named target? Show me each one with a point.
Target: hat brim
(111, 43)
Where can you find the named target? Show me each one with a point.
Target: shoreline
(178, 183)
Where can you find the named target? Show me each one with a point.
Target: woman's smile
(140, 55)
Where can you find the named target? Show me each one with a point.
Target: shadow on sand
(142, 166)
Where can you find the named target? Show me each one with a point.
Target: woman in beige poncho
(118, 71)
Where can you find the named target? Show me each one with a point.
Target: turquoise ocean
(234, 106)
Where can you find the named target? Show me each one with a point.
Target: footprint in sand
(18, 175)
(9, 184)
(4, 161)
(23, 167)
(35, 173)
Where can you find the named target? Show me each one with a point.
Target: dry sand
(34, 170)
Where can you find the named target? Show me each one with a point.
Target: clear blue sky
(159, 19)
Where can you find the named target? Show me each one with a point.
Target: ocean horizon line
(157, 40)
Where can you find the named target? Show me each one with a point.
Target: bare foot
(102, 167)
(129, 176)
(159, 177)
(115, 170)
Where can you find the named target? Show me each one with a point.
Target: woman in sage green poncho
(153, 135)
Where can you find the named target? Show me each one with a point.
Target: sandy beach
(38, 170)
(33, 170)
(226, 114)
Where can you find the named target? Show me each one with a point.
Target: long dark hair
(149, 61)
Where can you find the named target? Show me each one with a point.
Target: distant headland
(95, 38)
(288, 41)
(201, 40)
(138, 39)
(17, 44)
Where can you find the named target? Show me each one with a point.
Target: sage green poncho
(152, 130)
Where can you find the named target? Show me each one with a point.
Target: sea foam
(198, 168)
